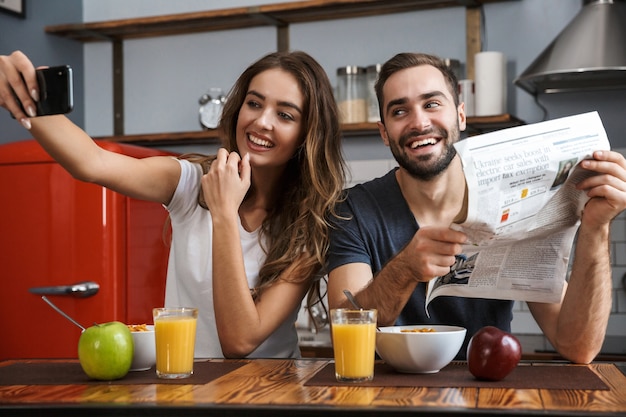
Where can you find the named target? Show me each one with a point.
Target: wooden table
(275, 387)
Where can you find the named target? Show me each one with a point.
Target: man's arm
(387, 293)
(576, 327)
(429, 254)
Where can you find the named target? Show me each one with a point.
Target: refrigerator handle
(80, 289)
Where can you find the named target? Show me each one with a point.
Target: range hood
(589, 54)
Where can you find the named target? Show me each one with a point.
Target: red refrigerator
(100, 256)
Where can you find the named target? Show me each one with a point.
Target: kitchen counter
(273, 387)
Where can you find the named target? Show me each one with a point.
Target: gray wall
(28, 36)
(166, 76)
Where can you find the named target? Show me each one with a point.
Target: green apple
(105, 351)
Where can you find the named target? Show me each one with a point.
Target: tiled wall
(523, 322)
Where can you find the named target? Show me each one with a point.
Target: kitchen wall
(190, 64)
(166, 76)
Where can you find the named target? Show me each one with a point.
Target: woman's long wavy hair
(297, 226)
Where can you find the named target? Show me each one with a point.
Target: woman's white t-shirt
(190, 271)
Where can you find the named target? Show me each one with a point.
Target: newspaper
(521, 210)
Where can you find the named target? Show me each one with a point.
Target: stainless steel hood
(589, 54)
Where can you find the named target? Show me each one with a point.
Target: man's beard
(425, 167)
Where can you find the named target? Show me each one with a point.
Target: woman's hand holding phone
(56, 90)
(53, 93)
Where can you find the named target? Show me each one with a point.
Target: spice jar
(352, 94)
(371, 72)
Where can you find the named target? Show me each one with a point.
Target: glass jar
(373, 115)
(352, 94)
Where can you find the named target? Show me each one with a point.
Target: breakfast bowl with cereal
(419, 348)
(144, 356)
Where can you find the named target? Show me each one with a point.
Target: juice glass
(354, 344)
(175, 337)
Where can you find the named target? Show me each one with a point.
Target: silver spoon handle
(61, 312)
(354, 302)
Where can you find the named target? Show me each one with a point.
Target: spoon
(61, 312)
(355, 303)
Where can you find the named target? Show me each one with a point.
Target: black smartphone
(56, 90)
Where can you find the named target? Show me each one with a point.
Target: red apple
(493, 353)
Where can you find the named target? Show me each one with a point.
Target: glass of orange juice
(175, 338)
(354, 344)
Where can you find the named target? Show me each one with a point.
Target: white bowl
(419, 352)
(144, 356)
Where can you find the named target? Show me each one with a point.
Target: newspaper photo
(522, 209)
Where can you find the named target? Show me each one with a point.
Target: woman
(250, 224)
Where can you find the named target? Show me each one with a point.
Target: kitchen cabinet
(280, 16)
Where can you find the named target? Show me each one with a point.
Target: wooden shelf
(484, 124)
(278, 15)
(175, 138)
(475, 125)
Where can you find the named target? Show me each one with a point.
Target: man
(395, 235)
